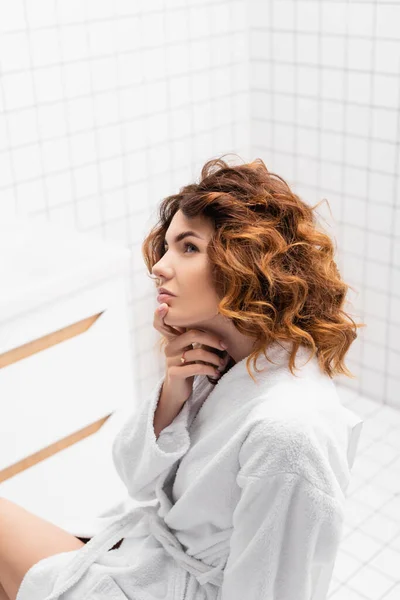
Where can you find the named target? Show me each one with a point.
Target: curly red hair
(273, 267)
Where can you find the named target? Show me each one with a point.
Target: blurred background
(108, 106)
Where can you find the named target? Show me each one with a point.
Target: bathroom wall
(106, 107)
(325, 114)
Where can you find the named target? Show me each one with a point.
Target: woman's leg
(3, 595)
(25, 539)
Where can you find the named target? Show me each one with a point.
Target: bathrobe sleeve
(139, 458)
(288, 519)
(284, 529)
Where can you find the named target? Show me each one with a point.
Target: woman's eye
(186, 244)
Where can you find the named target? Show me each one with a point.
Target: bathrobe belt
(107, 538)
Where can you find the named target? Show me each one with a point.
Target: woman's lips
(164, 297)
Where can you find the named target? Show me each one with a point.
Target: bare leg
(3, 595)
(25, 539)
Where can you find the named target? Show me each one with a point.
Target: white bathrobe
(241, 496)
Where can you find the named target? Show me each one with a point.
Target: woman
(238, 478)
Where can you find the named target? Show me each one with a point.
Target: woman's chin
(177, 323)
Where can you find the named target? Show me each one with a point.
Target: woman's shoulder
(301, 429)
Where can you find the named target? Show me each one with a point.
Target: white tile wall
(325, 115)
(366, 566)
(107, 106)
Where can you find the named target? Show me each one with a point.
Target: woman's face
(184, 270)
